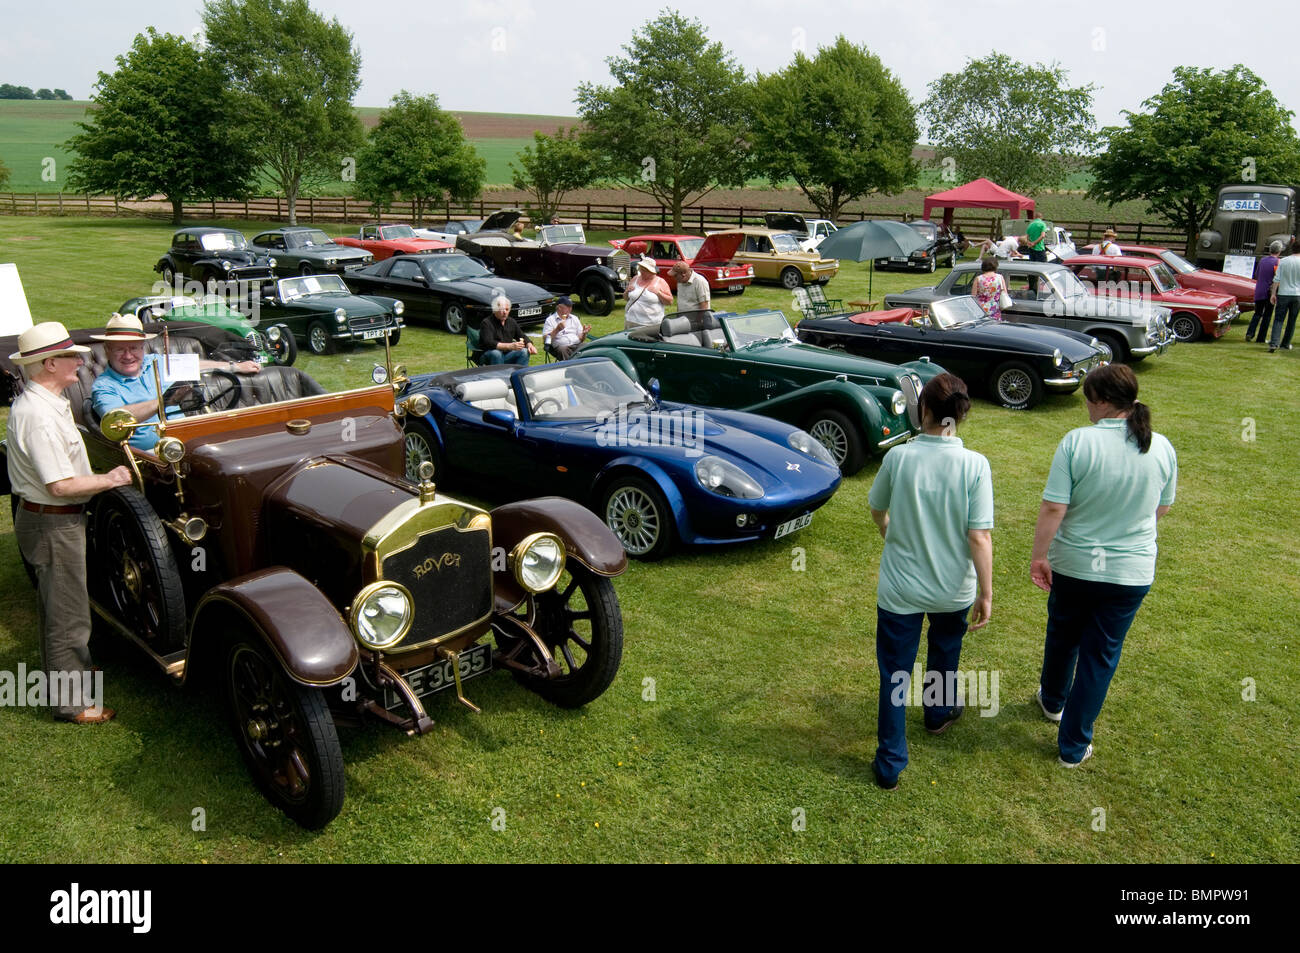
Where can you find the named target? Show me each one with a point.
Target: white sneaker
(1074, 764)
(1050, 716)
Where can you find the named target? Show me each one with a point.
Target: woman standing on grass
(1108, 485)
(933, 503)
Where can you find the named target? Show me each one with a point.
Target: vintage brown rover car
(275, 545)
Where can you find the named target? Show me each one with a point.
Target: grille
(365, 324)
(449, 575)
(1243, 236)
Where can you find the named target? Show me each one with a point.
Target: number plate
(371, 335)
(439, 675)
(792, 526)
(529, 312)
(899, 260)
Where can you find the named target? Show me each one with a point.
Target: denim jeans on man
(1086, 625)
(898, 637)
(1288, 306)
(1263, 312)
(505, 357)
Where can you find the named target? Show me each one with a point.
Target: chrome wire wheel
(833, 437)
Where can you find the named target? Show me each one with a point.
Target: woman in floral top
(988, 288)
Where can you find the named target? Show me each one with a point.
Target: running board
(173, 664)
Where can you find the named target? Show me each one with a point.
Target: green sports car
(753, 362)
(322, 313)
(271, 344)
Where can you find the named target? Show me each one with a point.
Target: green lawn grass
(763, 665)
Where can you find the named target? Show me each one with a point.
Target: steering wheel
(222, 399)
(541, 409)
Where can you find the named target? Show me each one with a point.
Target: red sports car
(1194, 313)
(384, 241)
(1190, 276)
(711, 257)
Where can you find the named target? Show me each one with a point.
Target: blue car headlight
(807, 444)
(726, 479)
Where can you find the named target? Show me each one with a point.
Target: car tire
(1016, 386)
(305, 269)
(318, 338)
(581, 623)
(394, 336)
(931, 264)
(287, 351)
(420, 447)
(286, 735)
(597, 296)
(136, 577)
(1186, 327)
(838, 435)
(169, 278)
(1118, 346)
(454, 320)
(791, 277)
(637, 513)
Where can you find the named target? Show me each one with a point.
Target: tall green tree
(1022, 126)
(552, 167)
(839, 124)
(294, 75)
(418, 152)
(671, 126)
(1204, 129)
(161, 123)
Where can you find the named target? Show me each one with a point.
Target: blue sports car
(656, 472)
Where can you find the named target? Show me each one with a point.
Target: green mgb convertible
(753, 362)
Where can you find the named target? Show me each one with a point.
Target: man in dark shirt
(500, 338)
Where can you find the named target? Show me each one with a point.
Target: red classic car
(1194, 313)
(1192, 277)
(384, 241)
(711, 257)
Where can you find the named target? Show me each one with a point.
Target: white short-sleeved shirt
(935, 491)
(44, 446)
(693, 293)
(1112, 491)
(1288, 275)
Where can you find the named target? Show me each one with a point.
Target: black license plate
(437, 676)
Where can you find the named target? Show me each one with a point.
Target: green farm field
(763, 669)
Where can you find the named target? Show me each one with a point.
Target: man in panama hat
(50, 472)
(128, 381)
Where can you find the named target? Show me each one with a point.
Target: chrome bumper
(896, 439)
(1062, 385)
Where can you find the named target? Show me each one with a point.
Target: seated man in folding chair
(500, 337)
(563, 332)
(692, 289)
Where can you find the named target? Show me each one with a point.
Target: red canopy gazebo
(978, 194)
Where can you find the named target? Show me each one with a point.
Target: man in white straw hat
(50, 472)
(128, 381)
(647, 294)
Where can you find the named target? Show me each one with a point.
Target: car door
(697, 375)
(757, 251)
(186, 251)
(407, 282)
(274, 245)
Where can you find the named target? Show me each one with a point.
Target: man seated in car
(128, 381)
(500, 337)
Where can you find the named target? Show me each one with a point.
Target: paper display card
(180, 367)
(1243, 265)
(15, 317)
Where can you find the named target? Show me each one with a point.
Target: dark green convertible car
(753, 362)
(321, 312)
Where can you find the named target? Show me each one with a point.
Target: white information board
(15, 316)
(1243, 265)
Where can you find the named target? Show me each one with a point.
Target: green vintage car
(322, 313)
(753, 362)
(271, 344)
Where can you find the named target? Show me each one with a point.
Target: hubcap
(417, 452)
(634, 519)
(317, 339)
(1015, 387)
(832, 437)
(1183, 329)
(131, 576)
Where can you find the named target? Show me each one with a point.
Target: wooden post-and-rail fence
(343, 210)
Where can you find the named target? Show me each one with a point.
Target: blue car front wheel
(637, 513)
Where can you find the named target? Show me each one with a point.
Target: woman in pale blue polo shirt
(933, 503)
(1108, 485)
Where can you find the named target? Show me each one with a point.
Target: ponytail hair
(1117, 385)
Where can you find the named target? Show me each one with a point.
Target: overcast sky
(527, 56)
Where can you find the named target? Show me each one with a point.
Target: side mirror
(504, 419)
(654, 387)
(420, 279)
(118, 425)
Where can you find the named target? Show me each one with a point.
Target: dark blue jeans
(1288, 306)
(1263, 311)
(897, 639)
(1086, 625)
(505, 357)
